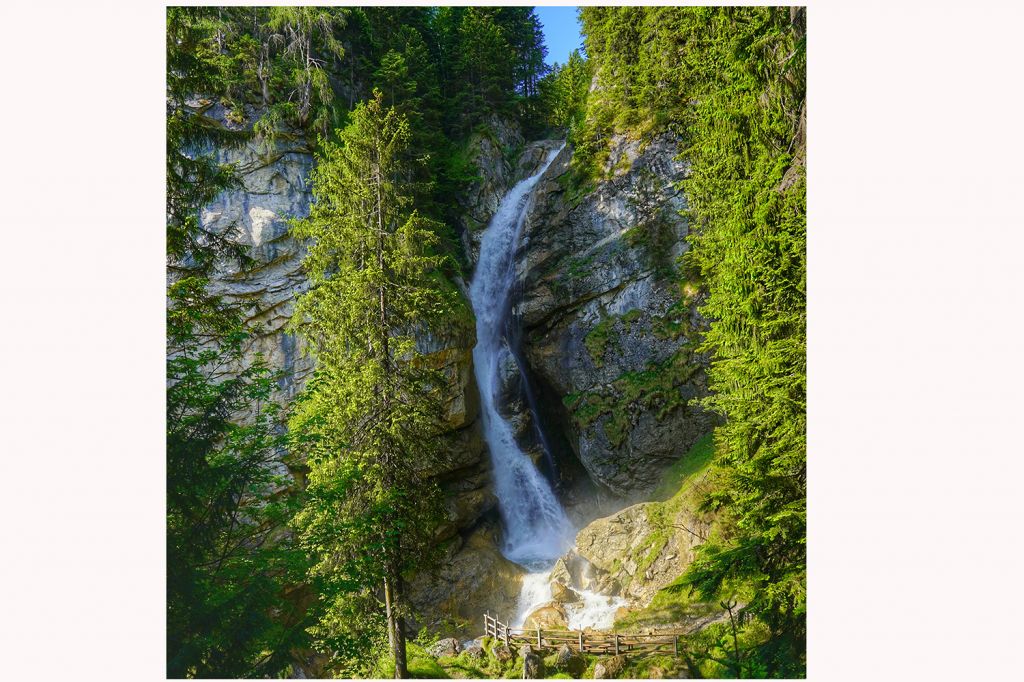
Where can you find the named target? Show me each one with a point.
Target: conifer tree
(227, 566)
(369, 421)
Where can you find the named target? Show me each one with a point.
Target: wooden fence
(582, 641)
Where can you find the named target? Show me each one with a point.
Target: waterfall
(536, 529)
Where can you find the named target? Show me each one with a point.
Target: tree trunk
(396, 628)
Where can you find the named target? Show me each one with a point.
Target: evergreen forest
(455, 331)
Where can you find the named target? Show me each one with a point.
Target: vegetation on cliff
(371, 419)
(388, 97)
(731, 83)
(236, 601)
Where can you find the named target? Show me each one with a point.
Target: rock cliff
(608, 323)
(606, 335)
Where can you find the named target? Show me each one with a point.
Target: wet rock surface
(550, 616)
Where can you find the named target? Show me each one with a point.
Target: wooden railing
(582, 641)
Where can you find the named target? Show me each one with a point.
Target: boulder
(610, 667)
(502, 653)
(569, 661)
(533, 666)
(549, 616)
(563, 594)
(475, 651)
(445, 648)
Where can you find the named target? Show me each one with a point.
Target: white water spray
(536, 528)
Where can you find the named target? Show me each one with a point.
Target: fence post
(506, 634)
(581, 641)
(675, 645)
(616, 644)
(538, 636)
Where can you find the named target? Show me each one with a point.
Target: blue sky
(561, 31)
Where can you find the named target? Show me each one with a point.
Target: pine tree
(731, 82)
(227, 567)
(369, 422)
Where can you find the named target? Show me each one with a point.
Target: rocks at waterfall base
(563, 594)
(549, 616)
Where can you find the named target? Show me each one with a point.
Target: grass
(422, 665)
(695, 461)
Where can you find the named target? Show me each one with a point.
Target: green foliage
(370, 419)
(731, 82)
(564, 93)
(194, 177)
(751, 249)
(227, 563)
(229, 568)
(686, 468)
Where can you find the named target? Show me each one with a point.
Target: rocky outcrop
(550, 616)
(609, 321)
(492, 149)
(639, 550)
(474, 578)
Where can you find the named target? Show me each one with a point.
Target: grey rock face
(273, 189)
(608, 327)
(491, 151)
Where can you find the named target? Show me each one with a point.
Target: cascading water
(537, 530)
(536, 527)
